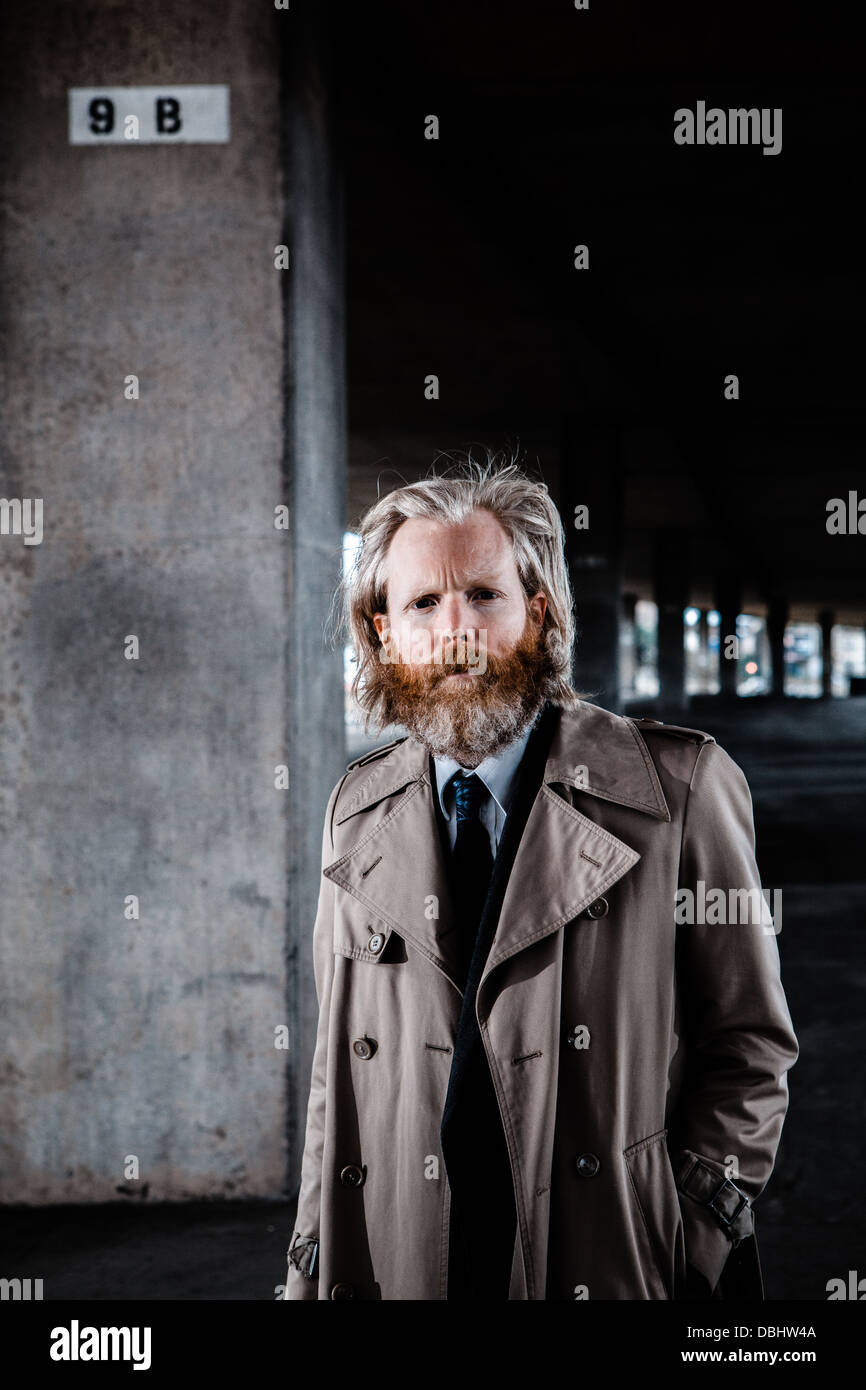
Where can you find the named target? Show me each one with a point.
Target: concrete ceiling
(556, 128)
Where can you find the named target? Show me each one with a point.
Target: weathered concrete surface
(315, 469)
(153, 777)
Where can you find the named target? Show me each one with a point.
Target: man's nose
(456, 616)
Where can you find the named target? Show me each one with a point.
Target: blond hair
(525, 510)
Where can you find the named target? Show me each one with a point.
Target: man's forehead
(478, 545)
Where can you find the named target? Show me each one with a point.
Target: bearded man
(530, 1080)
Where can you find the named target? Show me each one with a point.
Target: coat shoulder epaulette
(375, 753)
(655, 726)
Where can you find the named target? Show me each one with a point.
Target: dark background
(556, 128)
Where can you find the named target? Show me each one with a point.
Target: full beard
(473, 718)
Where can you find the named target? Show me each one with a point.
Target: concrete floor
(202, 1250)
(806, 764)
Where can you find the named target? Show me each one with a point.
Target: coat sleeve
(739, 1036)
(303, 1247)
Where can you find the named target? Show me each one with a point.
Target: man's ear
(380, 621)
(538, 607)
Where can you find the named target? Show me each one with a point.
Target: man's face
(465, 664)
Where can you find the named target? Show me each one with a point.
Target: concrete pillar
(671, 583)
(315, 474)
(156, 881)
(628, 646)
(703, 628)
(591, 478)
(827, 619)
(777, 621)
(703, 632)
(729, 602)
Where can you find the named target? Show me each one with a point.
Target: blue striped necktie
(472, 862)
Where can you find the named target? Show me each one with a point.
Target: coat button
(587, 1165)
(364, 1048)
(352, 1176)
(376, 943)
(598, 909)
(343, 1291)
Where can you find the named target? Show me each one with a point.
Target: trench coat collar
(563, 863)
(609, 748)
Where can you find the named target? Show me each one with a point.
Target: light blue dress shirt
(497, 774)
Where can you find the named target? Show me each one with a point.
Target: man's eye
(421, 600)
(485, 593)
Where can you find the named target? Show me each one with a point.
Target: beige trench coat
(622, 1046)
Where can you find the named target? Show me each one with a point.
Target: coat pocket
(657, 1200)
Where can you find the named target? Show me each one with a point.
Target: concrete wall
(315, 468)
(155, 776)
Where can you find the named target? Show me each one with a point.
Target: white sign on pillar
(196, 115)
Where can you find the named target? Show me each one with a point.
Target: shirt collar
(497, 772)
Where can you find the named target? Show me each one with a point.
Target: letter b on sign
(167, 115)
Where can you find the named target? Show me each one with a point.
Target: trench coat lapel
(564, 861)
(398, 870)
